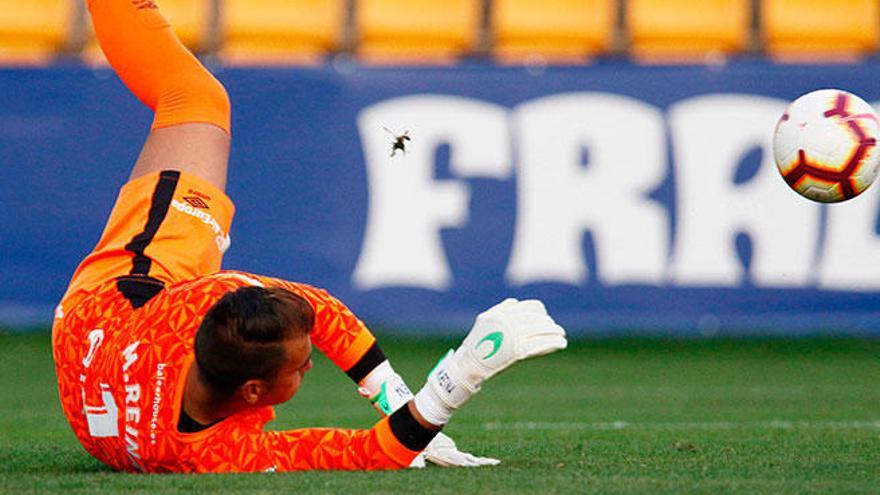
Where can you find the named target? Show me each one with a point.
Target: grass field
(609, 416)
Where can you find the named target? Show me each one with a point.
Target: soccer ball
(825, 145)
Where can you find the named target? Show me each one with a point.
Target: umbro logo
(201, 195)
(196, 202)
(144, 4)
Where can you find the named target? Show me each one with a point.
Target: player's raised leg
(171, 221)
(190, 132)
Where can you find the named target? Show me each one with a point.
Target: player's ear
(252, 391)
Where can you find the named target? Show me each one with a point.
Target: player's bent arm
(337, 332)
(351, 346)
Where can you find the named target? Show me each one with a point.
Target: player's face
(299, 360)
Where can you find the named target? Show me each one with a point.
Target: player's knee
(196, 97)
(216, 97)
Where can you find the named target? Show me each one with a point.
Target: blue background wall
(300, 180)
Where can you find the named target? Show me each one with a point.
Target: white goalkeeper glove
(504, 334)
(442, 451)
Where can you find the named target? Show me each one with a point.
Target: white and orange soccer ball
(825, 145)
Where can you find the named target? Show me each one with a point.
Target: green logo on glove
(496, 338)
(381, 403)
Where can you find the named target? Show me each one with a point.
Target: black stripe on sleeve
(367, 363)
(159, 204)
(408, 431)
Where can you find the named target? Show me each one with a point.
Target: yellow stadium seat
(552, 30)
(280, 31)
(416, 31)
(190, 19)
(32, 31)
(687, 30)
(820, 30)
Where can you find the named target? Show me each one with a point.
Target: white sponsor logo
(589, 163)
(132, 407)
(156, 406)
(222, 239)
(103, 420)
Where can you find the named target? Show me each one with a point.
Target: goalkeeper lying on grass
(166, 364)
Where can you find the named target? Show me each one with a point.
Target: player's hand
(504, 334)
(442, 451)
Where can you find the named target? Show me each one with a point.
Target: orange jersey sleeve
(324, 448)
(338, 333)
(296, 450)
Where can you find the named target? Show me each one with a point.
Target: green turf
(609, 416)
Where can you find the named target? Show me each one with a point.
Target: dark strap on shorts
(138, 286)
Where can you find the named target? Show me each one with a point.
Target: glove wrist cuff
(445, 391)
(372, 383)
(385, 389)
(431, 407)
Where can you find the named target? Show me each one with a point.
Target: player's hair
(242, 336)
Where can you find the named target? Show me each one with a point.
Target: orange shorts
(165, 227)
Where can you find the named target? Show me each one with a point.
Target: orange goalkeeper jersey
(122, 367)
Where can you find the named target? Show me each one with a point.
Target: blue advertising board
(627, 198)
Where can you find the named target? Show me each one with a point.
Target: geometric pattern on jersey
(139, 361)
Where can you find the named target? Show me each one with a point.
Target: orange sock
(156, 67)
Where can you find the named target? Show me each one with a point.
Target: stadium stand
(406, 31)
(687, 30)
(269, 32)
(278, 32)
(557, 31)
(820, 30)
(191, 20)
(33, 31)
